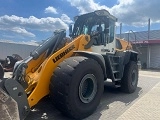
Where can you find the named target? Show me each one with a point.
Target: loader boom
(41, 77)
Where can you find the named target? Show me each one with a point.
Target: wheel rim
(134, 78)
(87, 88)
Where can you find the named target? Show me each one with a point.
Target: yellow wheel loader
(72, 70)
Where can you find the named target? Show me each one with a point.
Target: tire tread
(60, 85)
(125, 83)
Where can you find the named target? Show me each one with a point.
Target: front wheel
(130, 77)
(77, 86)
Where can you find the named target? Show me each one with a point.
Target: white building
(148, 44)
(8, 48)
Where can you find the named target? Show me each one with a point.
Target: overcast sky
(35, 20)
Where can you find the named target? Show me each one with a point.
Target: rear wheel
(130, 77)
(77, 86)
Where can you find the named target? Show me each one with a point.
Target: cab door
(105, 42)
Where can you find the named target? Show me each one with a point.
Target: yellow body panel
(40, 79)
(125, 45)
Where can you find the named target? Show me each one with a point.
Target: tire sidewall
(134, 69)
(88, 67)
(131, 67)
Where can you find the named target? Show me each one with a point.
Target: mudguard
(98, 57)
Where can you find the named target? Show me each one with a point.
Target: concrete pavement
(144, 104)
(147, 107)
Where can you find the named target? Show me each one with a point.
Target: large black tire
(77, 86)
(130, 77)
(1, 71)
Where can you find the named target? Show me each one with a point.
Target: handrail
(135, 40)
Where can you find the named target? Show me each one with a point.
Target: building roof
(152, 36)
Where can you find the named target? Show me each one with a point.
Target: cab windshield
(92, 23)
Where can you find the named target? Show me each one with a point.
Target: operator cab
(100, 25)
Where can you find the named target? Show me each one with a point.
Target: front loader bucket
(8, 107)
(13, 100)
